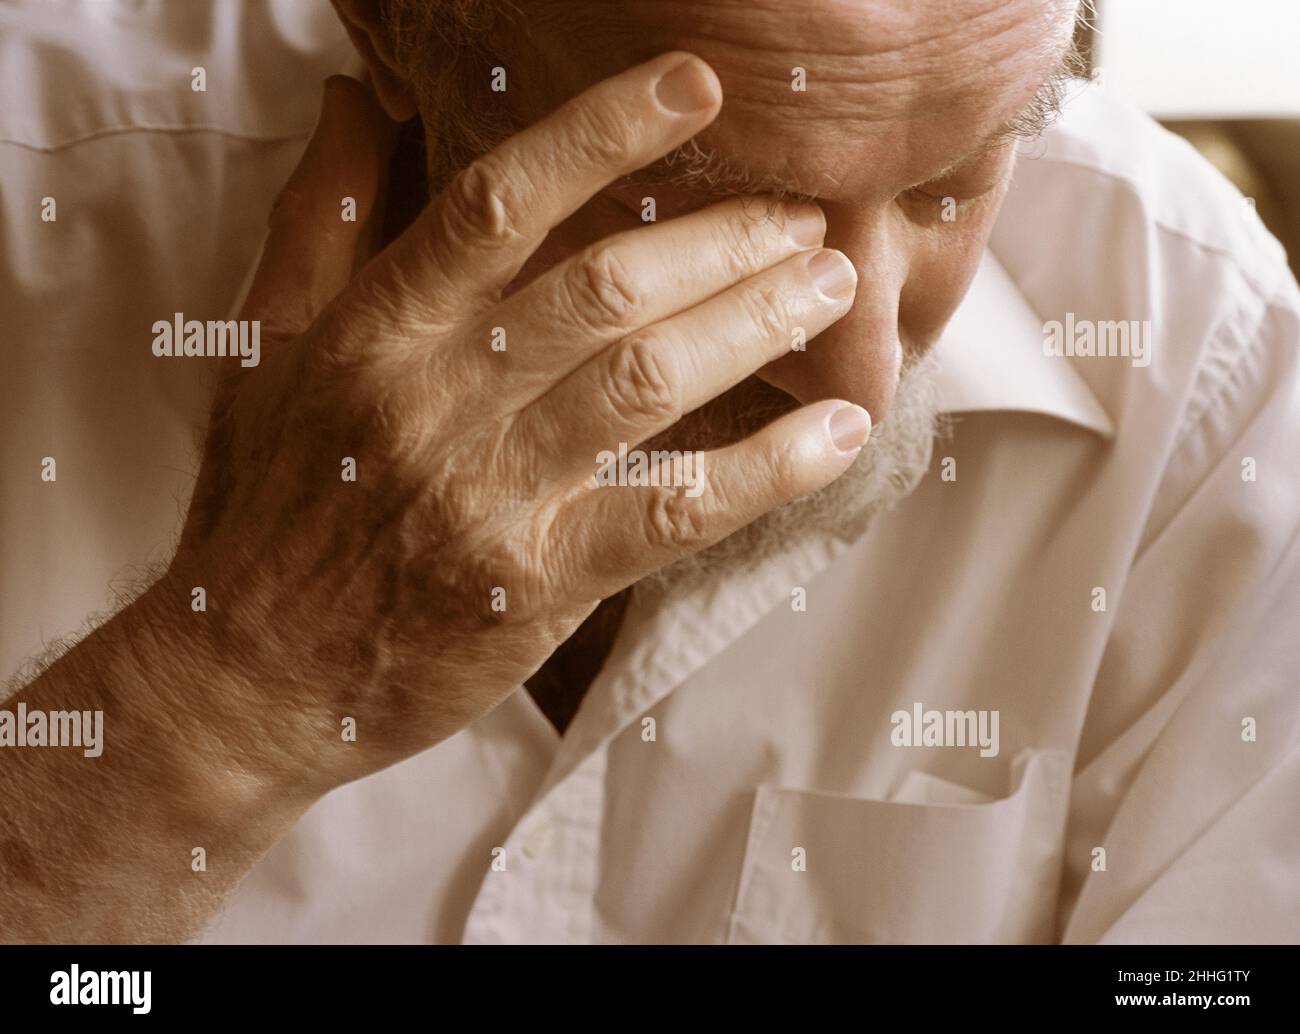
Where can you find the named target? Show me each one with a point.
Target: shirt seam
(1236, 376)
(176, 130)
(1264, 290)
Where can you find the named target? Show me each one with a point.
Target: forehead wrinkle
(871, 66)
(982, 31)
(1034, 117)
(698, 165)
(964, 73)
(981, 99)
(871, 29)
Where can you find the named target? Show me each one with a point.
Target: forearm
(103, 848)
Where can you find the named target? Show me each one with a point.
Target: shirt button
(535, 843)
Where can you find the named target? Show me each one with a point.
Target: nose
(857, 358)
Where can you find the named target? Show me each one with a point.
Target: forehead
(852, 96)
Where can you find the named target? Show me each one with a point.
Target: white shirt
(765, 801)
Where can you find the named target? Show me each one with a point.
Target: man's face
(892, 113)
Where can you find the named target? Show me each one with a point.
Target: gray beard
(885, 472)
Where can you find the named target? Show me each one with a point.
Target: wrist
(185, 715)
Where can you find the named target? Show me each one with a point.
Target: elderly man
(726, 489)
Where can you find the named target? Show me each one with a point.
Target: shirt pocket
(923, 870)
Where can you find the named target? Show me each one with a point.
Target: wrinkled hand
(474, 537)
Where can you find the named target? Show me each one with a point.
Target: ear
(361, 19)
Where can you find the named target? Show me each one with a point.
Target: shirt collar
(991, 358)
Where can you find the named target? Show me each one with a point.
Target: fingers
(472, 239)
(636, 530)
(632, 280)
(649, 380)
(314, 231)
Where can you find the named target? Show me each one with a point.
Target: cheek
(942, 267)
(937, 282)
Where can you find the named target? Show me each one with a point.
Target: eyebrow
(701, 168)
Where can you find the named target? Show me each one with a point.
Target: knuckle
(393, 428)
(643, 382)
(478, 206)
(343, 343)
(527, 445)
(451, 515)
(745, 240)
(384, 424)
(784, 463)
(504, 583)
(767, 309)
(674, 521)
(601, 290)
(600, 136)
(384, 302)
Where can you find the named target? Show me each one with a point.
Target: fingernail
(806, 225)
(833, 274)
(687, 87)
(849, 427)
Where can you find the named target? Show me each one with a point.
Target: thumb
(314, 229)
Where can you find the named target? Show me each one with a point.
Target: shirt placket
(544, 892)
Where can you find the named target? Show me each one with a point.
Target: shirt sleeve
(1185, 814)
